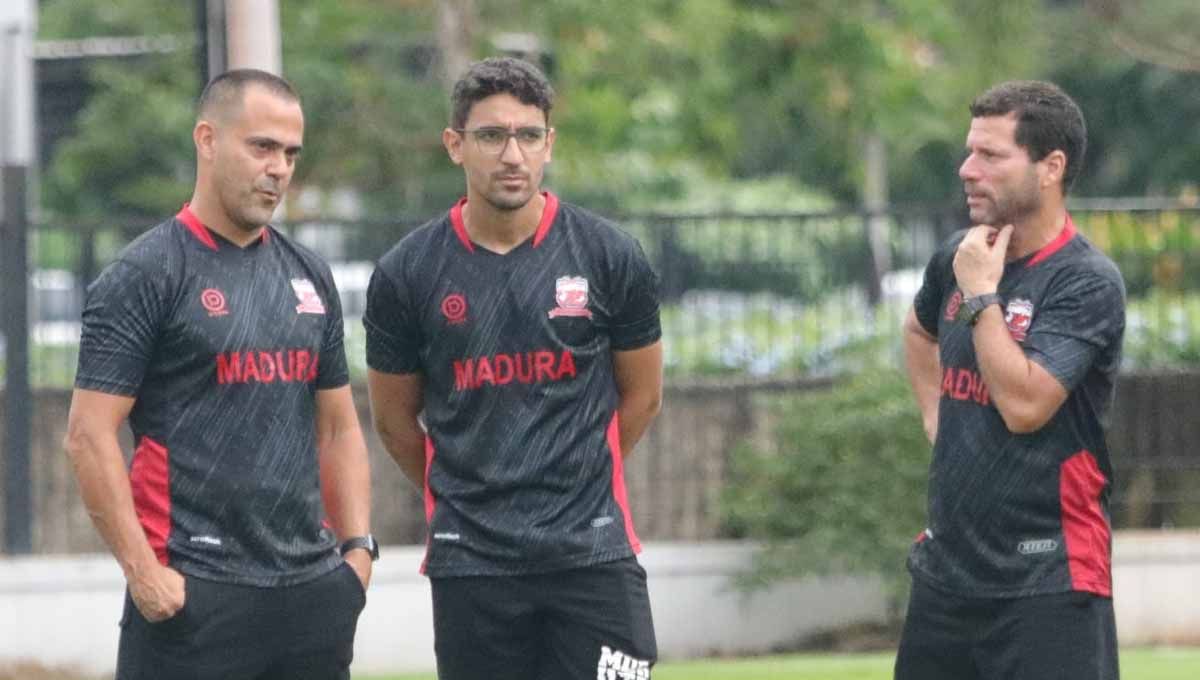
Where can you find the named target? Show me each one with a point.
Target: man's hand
(158, 592)
(360, 561)
(979, 261)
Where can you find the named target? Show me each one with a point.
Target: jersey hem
(323, 567)
(106, 386)
(520, 569)
(983, 592)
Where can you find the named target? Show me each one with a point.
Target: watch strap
(974, 306)
(366, 542)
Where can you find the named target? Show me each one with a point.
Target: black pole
(202, 41)
(210, 48)
(18, 407)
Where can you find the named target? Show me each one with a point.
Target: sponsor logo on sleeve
(310, 301)
(571, 294)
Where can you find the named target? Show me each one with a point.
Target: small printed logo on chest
(454, 308)
(1018, 315)
(571, 294)
(1037, 547)
(213, 301)
(310, 301)
(953, 305)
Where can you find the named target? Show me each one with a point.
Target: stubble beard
(1014, 206)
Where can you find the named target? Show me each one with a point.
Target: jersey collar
(1064, 237)
(202, 233)
(549, 212)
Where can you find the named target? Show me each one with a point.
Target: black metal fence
(760, 295)
(779, 296)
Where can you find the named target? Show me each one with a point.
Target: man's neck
(211, 215)
(1037, 230)
(502, 230)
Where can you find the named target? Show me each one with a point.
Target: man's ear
(205, 137)
(453, 142)
(1054, 168)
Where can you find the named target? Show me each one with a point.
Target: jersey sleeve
(333, 371)
(393, 337)
(121, 320)
(636, 321)
(1080, 320)
(927, 304)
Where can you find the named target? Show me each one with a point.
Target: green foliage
(132, 153)
(842, 488)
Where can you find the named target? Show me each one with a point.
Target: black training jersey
(524, 469)
(223, 349)
(1024, 514)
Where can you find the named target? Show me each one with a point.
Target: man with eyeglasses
(527, 331)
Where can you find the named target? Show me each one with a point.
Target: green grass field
(1136, 664)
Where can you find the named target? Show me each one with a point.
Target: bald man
(242, 521)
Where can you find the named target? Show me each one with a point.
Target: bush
(843, 488)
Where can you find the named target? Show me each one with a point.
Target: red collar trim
(1064, 237)
(548, 215)
(460, 227)
(549, 212)
(202, 233)
(195, 226)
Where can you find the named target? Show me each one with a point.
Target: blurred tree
(130, 153)
(657, 98)
(1141, 116)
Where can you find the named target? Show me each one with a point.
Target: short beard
(1026, 200)
(508, 205)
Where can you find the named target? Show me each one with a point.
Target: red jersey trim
(618, 481)
(202, 233)
(460, 227)
(1064, 237)
(549, 212)
(430, 501)
(149, 480)
(1085, 528)
(195, 226)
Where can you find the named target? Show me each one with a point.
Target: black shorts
(592, 622)
(231, 632)
(1065, 636)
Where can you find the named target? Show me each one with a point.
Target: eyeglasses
(493, 140)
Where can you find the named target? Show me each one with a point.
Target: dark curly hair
(1047, 119)
(500, 75)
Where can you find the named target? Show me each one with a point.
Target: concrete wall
(64, 610)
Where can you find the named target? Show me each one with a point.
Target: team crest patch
(306, 292)
(571, 294)
(1018, 315)
(953, 305)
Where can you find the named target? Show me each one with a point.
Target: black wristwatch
(367, 543)
(972, 307)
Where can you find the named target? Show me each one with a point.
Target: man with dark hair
(1013, 346)
(220, 340)
(527, 331)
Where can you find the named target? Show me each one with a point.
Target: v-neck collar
(549, 212)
